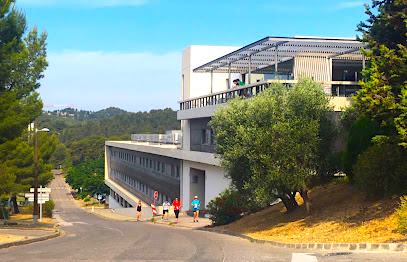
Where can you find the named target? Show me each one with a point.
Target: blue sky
(127, 53)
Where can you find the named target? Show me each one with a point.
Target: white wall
(215, 182)
(198, 84)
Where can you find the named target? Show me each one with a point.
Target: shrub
(402, 215)
(86, 199)
(359, 140)
(230, 206)
(380, 170)
(4, 213)
(47, 208)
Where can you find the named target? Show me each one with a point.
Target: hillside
(340, 214)
(70, 126)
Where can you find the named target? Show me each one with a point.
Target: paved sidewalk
(184, 220)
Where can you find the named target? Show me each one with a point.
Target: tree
(18, 164)
(89, 176)
(383, 96)
(269, 144)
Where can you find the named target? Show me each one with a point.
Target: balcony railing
(172, 138)
(246, 91)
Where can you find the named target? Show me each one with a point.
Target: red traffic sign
(155, 194)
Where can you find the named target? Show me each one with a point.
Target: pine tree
(383, 96)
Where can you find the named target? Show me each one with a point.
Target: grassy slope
(340, 214)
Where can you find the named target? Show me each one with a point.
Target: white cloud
(81, 3)
(96, 80)
(349, 4)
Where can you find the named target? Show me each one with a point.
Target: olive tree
(269, 145)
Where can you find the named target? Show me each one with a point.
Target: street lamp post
(35, 208)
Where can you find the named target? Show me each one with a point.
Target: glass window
(177, 174)
(203, 136)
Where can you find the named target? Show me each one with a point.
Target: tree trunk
(15, 205)
(289, 202)
(307, 201)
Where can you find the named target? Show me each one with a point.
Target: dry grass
(10, 238)
(340, 214)
(23, 217)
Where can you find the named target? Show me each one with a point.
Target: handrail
(244, 91)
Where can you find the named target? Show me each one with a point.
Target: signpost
(155, 195)
(42, 197)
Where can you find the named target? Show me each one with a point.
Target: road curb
(389, 247)
(29, 241)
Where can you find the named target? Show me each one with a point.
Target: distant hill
(72, 125)
(83, 115)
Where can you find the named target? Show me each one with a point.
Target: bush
(381, 170)
(359, 140)
(229, 206)
(4, 214)
(86, 199)
(47, 208)
(402, 215)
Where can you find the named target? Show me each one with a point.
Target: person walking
(195, 208)
(177, 207)
(166, 209)
(138, 210)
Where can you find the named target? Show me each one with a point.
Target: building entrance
(197, 186)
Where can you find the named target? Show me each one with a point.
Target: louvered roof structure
(261, 56)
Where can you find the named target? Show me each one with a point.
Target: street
(92, 238)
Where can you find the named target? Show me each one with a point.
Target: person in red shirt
(177, 206)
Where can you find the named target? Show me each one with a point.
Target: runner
(166, 207)
(177, 206)
(195, 208)
(138, 210)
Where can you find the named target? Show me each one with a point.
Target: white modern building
(182, 163)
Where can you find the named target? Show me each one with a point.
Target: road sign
(30, 196)
(43, 190)
(99, 197)
(155, 195)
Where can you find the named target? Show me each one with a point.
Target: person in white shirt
(166, 208)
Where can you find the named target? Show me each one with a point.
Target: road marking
(304, 257)
(61, 221)
(80, 222)
(114, 230)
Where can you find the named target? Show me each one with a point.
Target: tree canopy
(383, 96)
(269, 145)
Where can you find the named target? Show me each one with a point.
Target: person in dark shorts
(138, 210)
(177, 207)
(166, 209)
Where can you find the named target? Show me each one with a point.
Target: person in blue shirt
(195, 208)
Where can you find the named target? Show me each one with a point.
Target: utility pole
(35, 208)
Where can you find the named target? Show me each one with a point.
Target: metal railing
(173, 138)
(246, 91)
(224, 96)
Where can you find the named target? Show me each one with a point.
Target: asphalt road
(92, 238)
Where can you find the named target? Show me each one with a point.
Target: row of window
(156, 166)
(142, 188)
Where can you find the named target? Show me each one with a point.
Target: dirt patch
(10, 238)
(340, 214)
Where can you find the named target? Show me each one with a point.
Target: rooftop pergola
(272, 55)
